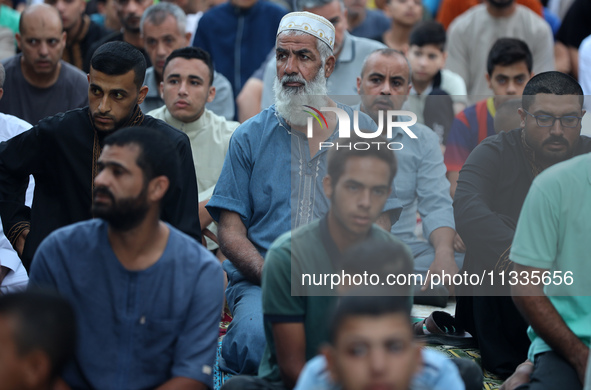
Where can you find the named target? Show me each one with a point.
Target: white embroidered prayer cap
(309, 23)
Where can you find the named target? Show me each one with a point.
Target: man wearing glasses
(491, 189)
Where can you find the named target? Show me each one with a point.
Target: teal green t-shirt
(306, 246)
(9, 18)
(553, 233)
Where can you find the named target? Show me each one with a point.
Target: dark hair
(357, 306)
(343, 150)
(118, 58)
(381, 258)
(192, 53)
(553, 83)
(428, 33)
(158, 156)
(44, 321)
(508, 51)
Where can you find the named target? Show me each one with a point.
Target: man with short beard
(147, 297)
(492, 187)
(254, 200)
(472, 34)
(61, 153)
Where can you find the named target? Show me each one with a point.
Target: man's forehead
(120, 81)
(556, 103)
(300, 41)
(187, 67)
(120, 154)
(158, 29)
(517, 69)
(390, 66)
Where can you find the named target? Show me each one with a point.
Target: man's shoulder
(150, 80)
(501, 145)
(157, 113)
(258, 126)
(268, 7)
(219, 124)
(159, 124)
(11, 126)
(65, 122)
(76, 234)
(216, 15)
(11, 62)
(465, 20)
(365, 46)
(72, 73)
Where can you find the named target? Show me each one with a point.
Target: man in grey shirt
(163, 31)
(38, 84)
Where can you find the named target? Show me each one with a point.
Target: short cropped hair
(118, 58)
(192, 53)
(44, 321)
(553, 83)
(158, 155)
(381, 258)
(374, 306)
(343, 150)
(428, 33)
(157, 13)
(509, 51)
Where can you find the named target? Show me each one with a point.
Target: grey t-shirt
(32, 104)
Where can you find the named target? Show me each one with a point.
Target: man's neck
(40, 80)
(421, 86)
(342, 238)
(496, 12)
(133, 38)
(141, 247)
(398, 36)
(72, 31)
(354, 20)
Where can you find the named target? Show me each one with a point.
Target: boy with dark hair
(37, 339)
(427, 56)
(509, 68)
(147, 297)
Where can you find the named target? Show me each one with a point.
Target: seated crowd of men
(201, 159)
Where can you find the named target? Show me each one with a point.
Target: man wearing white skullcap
(349, 51)
(256, 198)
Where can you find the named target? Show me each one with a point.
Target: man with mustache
(256, 199)
(491, 190)
(384, 84)
(61, 153)
(38, 83)
(147, 297)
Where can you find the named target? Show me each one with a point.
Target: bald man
(38, 83)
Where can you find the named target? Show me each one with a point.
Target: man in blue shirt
(147, 297)
(421, 185)
(272, 177)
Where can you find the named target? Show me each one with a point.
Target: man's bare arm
(547, 322)
(238, 248)
(290, 345)
(204, 218)
(181, 383)
(20, 243)
(452, 176)
(442, 240)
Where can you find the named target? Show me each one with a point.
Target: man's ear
(444, 59)
(211, 94)
(161, 89)
(487, 76)
(142, 94)
(358, 85)
(327, 185)
(188, 38)
(329, 354)
(418, 356)
(522, 114)
(329, 66)
(2, 94)
(157, 188)
(18, 38)
(37, 369)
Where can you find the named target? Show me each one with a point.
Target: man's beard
(289, 100)
(123, 214)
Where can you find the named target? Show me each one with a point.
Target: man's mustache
(103, 191)
(557, 140)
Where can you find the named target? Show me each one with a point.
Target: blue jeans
(244, 343)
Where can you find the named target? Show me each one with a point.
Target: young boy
(427, 56)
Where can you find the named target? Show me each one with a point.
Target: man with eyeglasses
(492, 187)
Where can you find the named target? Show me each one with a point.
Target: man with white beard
(256, 199)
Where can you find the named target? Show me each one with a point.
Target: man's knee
(470, 372)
